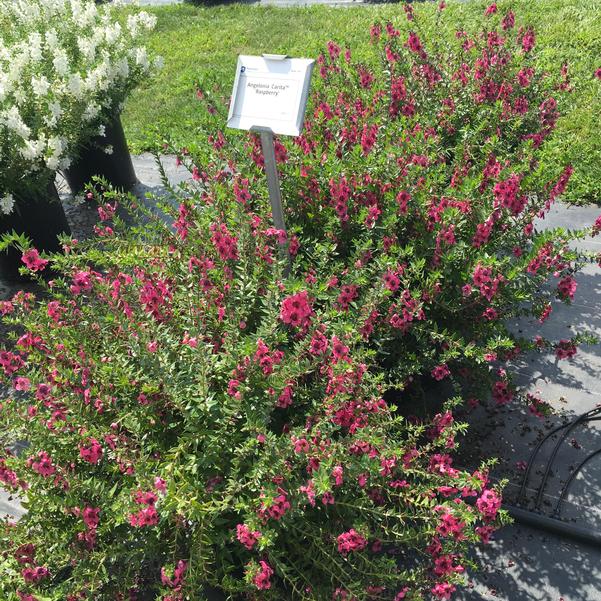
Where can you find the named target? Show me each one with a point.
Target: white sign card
(270, 92)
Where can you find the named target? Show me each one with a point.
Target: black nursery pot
(116, 167)
(40, 216)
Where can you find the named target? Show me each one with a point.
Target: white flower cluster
(63, 63)
(7, 202)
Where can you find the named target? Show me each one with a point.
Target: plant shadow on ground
(582, 372)
(523, 563)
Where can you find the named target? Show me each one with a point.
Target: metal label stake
(273, 179)
(275, 192)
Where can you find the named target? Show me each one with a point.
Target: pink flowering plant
(195, 418)
(415, 197)
(200, 411)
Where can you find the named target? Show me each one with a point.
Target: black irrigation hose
(584, 418)
(588, 416)
(554, 525)
(579, 534)
(532, 457)
(564, 492)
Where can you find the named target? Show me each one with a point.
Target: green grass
(200, 43)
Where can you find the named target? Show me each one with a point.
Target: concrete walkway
(521, 564)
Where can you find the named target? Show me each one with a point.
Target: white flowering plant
(66, 67)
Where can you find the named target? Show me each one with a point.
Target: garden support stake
(273, 185)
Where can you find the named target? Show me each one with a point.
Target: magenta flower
(92, 452)
(178, 575)
(443, 590)
(262, 579)
(440, 372)
(502, 392)
(34, 575)
(565, 349)
(246, 536)
(22, 384)
(567, 288)
(145, 517)
(224, 242)
(296, 310)
(42, 464)
(351, 541)
(91, 517)
(33, 261)
(488, 504)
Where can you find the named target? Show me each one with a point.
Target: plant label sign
(270, 94)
